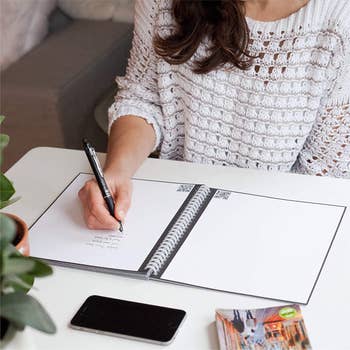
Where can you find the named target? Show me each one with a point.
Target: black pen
(96, 168)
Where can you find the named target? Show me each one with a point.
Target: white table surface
(42, 174)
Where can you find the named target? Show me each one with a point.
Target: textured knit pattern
(289, 112)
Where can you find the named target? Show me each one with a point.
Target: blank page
(256, 245)
(61, 233)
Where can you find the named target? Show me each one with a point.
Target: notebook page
(61, 234)
(258, 246)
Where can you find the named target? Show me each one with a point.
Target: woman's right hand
(131, 140)
(96, 214)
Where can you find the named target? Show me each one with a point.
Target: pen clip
(97, 162)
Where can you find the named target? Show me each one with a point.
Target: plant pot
(21, 241)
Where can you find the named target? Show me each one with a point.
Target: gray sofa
(49, 95)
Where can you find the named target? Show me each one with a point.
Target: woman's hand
(130, 142)
(96, 214)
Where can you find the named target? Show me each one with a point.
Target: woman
(262, 84)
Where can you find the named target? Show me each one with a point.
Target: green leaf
(7, 231)
(4, 204)
(4, 140)
(40, 269)
(26, 283)
(6, 189)
(21, 283)
(17, 266)
(10, 251)
(23, 309)
(17, 326)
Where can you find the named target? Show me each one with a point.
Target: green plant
(17, 277)
(6, 187)
(17, 272)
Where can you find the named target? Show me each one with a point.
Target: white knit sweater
(289, 111)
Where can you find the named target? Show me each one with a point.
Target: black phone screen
(127, 318)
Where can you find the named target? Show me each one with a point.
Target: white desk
(42, 174)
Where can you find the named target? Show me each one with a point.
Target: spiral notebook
(192, 234)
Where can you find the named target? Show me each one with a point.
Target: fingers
(123, 200)
(96, 214)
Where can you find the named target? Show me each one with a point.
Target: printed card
(275, 328)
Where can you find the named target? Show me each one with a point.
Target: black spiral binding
(178, 230)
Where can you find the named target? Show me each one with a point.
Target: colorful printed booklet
(274, 328)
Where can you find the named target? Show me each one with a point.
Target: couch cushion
(58, 20)
(118, 10)
(65, 57)
(53, 89)
(23, 25)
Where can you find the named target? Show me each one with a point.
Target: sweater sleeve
(327, 149)
(138, 91)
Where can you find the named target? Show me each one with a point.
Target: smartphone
(128, 319)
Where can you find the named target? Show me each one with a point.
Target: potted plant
(6, 198)
(17, 271)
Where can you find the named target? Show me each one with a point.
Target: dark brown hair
(223, 21)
